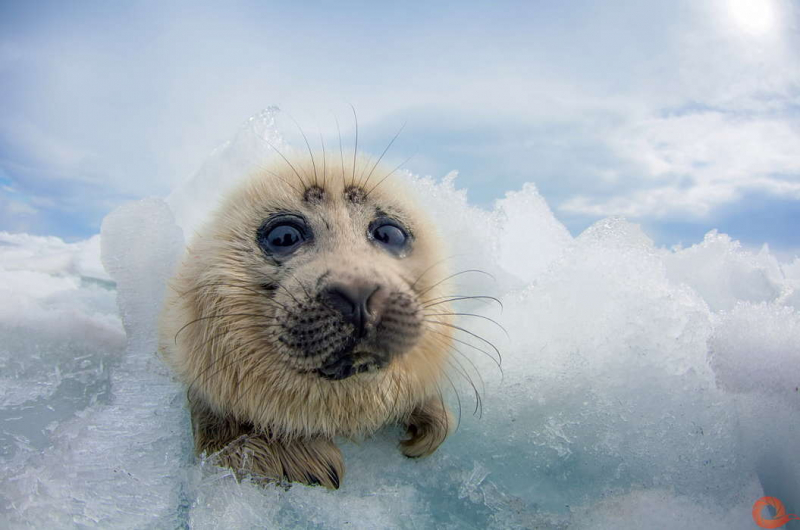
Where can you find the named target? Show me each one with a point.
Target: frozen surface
(640, 387)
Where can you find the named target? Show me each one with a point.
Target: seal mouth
(347, 363)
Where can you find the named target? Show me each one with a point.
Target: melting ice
(640, 387)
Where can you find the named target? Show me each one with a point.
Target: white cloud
(692, 163)
(669, 108)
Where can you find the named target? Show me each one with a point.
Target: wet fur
(256, 406)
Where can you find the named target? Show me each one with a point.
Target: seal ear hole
(269, 287)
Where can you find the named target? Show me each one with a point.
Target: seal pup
(311, 305)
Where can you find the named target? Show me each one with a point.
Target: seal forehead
(317, 200)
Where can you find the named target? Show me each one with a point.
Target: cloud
(697, 162)
(650, 110)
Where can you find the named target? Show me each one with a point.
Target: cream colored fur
(251, 401)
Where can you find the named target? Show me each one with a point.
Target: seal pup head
(301, 306)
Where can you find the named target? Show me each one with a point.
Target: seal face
(354, 321)
(345, 318)
(302, 311)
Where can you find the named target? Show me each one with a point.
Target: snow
(640, 386)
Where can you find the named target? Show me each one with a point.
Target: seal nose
(353, 302)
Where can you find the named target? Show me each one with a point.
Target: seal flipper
(427, 427)
(310, 461)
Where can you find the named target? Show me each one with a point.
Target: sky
(682, 116)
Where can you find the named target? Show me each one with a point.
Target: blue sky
(682, 116)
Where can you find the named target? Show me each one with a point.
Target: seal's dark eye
(389, 235)
(282, 237)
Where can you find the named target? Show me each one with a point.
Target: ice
(253, 146)
(527, 253)
(141, 247)
(723, 274)
(641, 387)
(663, 510)
(61, 337)
(756, 349)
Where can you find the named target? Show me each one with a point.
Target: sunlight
(756, 17)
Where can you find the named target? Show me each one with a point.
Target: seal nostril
(341, 301)
(352, 302)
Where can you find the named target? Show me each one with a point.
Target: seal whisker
(459, 369)
(458, 397)
(428, 269)
(470, 315)
(364, 166)
(341, 150)
(243, 394)
(303, 287)
(202, 285)
(446, 299)
(214, 316)
(246, 288)
(468, 271)
(381, 394)
(480, 378)
(474, 366)
(395, 389)
(308, 146)
(458, 328)
(324, 162)
(441, 397)
(305, 186)
(384, 152)
(392, 172)
(219, 358)
(355, 146)
(236, 329)
(488, 354)
(464, 373)
(277, 284)
(263, 168)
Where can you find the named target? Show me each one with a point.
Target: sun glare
(753, 16)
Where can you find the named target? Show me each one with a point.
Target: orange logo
(780, 519)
